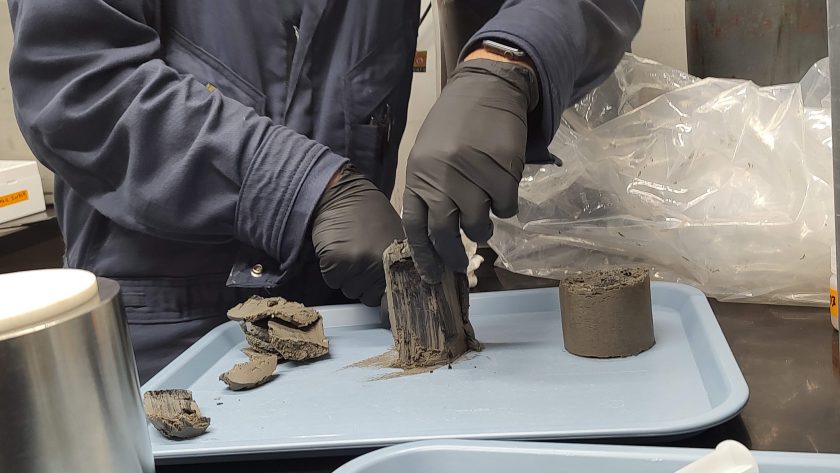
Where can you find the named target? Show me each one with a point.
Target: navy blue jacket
(191, 137)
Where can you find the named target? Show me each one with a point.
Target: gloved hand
(354, 223)
(467, 160)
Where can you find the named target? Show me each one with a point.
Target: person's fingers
(504, 201)
(372, 296)
(330, 271)
(354, 286)
(445, 234)
(415, 223)
(474, 206)
(363, 277)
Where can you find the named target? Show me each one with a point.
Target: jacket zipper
(383, 122)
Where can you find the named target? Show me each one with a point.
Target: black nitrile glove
(467, 160)
(354, 223)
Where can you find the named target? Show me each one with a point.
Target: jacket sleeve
(151, 149)
(574, 44)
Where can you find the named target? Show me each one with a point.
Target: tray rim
(358, 465)
(727, 409)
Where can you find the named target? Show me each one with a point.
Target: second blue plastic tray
(458, 456)
(524, 385)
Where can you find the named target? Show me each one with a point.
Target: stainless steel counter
(789, 357)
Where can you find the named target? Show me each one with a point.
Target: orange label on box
(833, 302)
(14, 198)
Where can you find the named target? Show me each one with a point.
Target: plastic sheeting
(717, 183)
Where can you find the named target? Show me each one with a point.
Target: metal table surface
(789, 356)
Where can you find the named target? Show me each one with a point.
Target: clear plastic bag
(718, 183)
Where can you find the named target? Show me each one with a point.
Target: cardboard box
(21, 193)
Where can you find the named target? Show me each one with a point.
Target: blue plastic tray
(459, 456)
(523, 386)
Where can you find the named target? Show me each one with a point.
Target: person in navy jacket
(208, 150)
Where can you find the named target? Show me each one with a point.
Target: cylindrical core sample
(607, 313)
